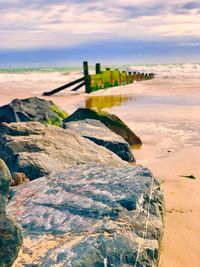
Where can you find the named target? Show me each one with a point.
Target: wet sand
(165, 113)
(181, 241)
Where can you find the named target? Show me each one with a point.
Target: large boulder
(37, 149)
(90, 215)
(110, 120)
(32, 109)
(10, 233)
(97, 132)
(5, 181)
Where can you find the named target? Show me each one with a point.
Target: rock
(37, 149)
(32, 109)
(90, 215)
(5, 181)
(10, 233)
(110, 120)
(97, 132)
(19, 178)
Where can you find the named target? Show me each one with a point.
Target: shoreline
(172, 127)
(182, 203)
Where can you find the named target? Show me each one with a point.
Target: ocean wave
(170, 70)
(62, 74)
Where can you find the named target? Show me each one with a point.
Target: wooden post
(111, 79)
(130, 77)
(64, 86)
(78, 86)
(120, 78)
(124, 75)
(87, 77)
(98, 68)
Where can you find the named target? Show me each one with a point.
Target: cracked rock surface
(90, 215)
(37, 149)
(97, 132)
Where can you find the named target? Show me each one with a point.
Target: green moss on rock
(55, 122)
(32, 109)
(61, 114)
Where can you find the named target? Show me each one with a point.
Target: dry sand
(165, 113)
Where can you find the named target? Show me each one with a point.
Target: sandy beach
(164, 112)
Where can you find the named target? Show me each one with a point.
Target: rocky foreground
(90, 215)
(85, 205)
(10, 232)
(38, 149)
(32, 109)
(101, 135)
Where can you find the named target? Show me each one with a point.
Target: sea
(56, 73)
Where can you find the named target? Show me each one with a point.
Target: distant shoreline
(70, 68)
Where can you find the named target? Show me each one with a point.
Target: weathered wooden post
(107, 78)
(138, 76)
(124, 77)
(98, 68)
(87, 77)
(130, 77)
(111, 78)
(152, 75)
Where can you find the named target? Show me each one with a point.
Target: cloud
(106, 52)
(190, 44)
(191, 5)
(66, 23)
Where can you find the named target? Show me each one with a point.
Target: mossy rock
(32, 109)
(57, 121)
(61, 114)
(113, 122)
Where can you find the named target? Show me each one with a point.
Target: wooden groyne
(102, 79)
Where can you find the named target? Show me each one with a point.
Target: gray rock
(111, 121)
(5, 181)
(32, 109)
(10, 233)
(97, 132)
(90, 215)
(37, 149)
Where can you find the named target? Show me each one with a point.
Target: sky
(66, 32)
